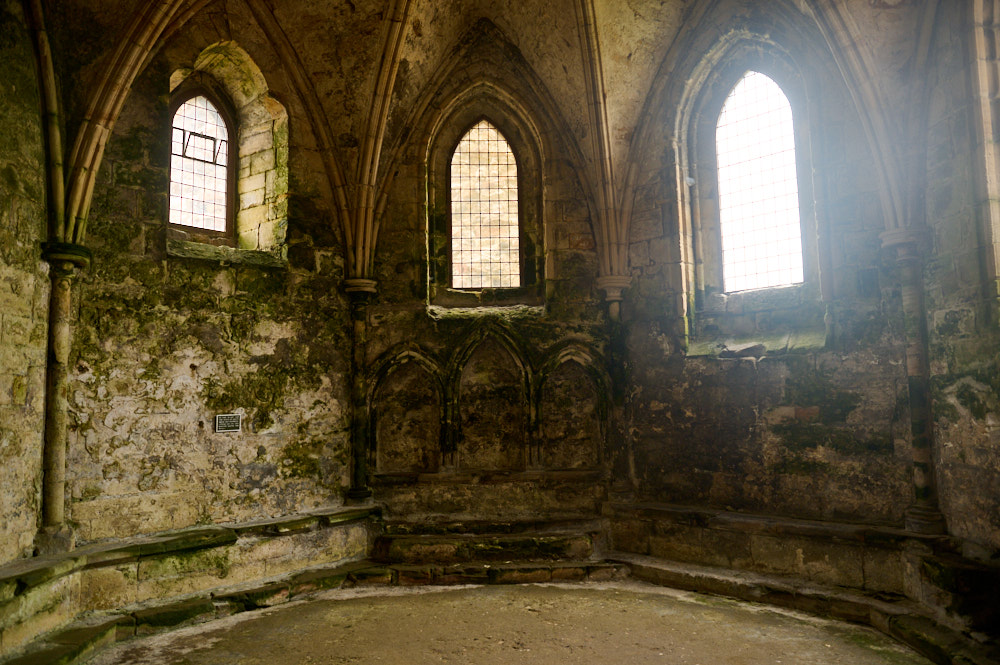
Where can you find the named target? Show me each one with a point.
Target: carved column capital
(360, 292)
(59, 254)
(613, 285)
(358, 285)
(910, 243)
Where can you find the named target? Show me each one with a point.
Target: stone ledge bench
(43, 594)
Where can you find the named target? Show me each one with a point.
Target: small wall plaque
(228, 422)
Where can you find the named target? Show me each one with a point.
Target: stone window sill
(525, 296)
(227, 255)
(772, 321)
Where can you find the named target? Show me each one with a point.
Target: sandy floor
(526, 624)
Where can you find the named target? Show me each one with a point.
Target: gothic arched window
(485, 229)
(758, 189)
(201, 172)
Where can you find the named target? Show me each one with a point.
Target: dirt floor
(526, 624)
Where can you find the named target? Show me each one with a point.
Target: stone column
(924, 514)
(622, 476)
(360, 292)
(64, 261)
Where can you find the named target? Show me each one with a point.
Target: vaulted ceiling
(359, 68)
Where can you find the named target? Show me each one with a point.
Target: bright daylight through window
(198, 166)
(485, 250)
(758, 189)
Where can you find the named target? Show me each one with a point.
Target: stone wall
(787, 401)
(489, 413)
(164, 343)
(23, 287)
(961, 302)
(793, 403)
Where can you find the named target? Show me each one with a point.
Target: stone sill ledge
(19, 577)
(187, 249)
(565, 523)
(759, 345)
(487, 477)
(867, 534)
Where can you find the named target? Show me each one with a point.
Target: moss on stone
(301, 459)
(261, 392)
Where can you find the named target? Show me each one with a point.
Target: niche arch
(572, 406)
(407, 414)
(492, 411)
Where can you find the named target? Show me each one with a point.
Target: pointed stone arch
(572, 403)
(485, 100)
(491, 410)
(407, 413)
(675, 143)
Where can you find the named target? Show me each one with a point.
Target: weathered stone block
(520, 575)
(186, 572)
(629, 535)
(373, 576)
(6, 389)
(251, 197)
(883, 570)
(16, 330)
(266, 595)
(570, 573)
(50, 654)
(108, 587)
(825, 562)
(256, 141)
(411, 551)
(316, 580)
(261, 162)
(603, 573)
(40, 609)
(415, 575)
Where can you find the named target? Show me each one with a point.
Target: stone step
(458, 548)
(485, 572)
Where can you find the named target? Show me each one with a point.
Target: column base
(359, 494)
(924, 520)
(54, 540)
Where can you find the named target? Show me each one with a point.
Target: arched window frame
(258, 154)
(523, 140)
(703, 184)
(182, 95)
(453, 263)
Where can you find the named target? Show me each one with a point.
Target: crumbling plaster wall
(164, 343)
(24, 287)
